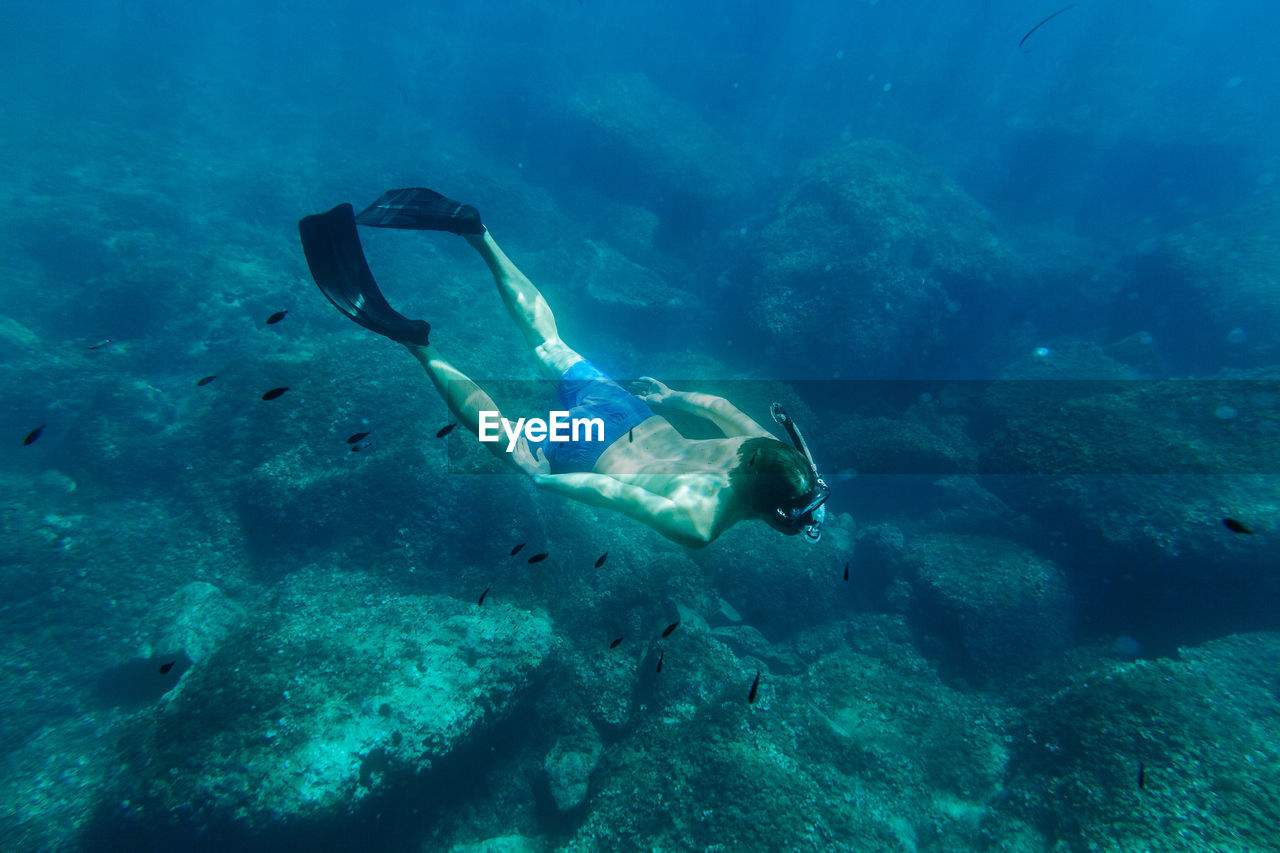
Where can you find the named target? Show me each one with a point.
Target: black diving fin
(419, 209)
(338, 265)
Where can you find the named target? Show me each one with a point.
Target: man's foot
(419, 209)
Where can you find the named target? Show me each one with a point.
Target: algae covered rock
(346, 693)
(501, 844)
(1216, 284)
(15, 337)
(569, 765)
(874, 250)
(1145, 471)
(860, 747)
(1159, 755)
(646, 147)
(195, 619)
(884, 716)
(618, 290)
(914, 444)
(1006, 605)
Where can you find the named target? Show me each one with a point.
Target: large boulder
(852, 742)
(1159, 755)
(638, 144)
(1136, 479)
(1214, 283)
(1006, 606)
(195, 620)
(569, 766)
(346, 693)
(876, 253)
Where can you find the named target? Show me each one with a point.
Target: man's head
(776, 484)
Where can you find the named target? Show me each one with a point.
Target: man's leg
(462, 395)
(527, 307)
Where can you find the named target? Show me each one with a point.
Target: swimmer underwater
(688, 490)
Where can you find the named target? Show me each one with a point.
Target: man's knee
(556, 355)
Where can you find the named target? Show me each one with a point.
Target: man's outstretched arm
(729, 418)
(677, 523)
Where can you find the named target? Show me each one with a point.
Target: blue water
(221, 627)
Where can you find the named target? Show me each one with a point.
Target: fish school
(558, 427)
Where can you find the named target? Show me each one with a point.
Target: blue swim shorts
(585, 392)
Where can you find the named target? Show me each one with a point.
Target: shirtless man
(690, 491)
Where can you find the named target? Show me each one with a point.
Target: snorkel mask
(810, 516)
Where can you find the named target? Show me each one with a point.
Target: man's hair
(770, 475)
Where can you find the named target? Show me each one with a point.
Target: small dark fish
(1236, 527)
(615, 643)
(603, 557)
(206, 380)
(165, 667)
(100, 344)
(661, 655)
(666, 632)
(274, 392)
(352, 439)
(33, 436)
(631, 434)
(1142, 775)
(846, 570)
(516, 550)
(755, 685)
(538, 558)
(1042, 23)
(276, 318)
(482, 595)
(445, 430)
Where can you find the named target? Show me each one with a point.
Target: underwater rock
(644, 147)
(1214, 282)
(772, 583)
(616, 289)
(860, 748)
(1201, 730)
(1145, 472)
(961, 505)
(1140, 351)
(880, 256)
(1007, 606)
(16, 337)
(344, 693)
(57, 481)
(501, 844)
(569, 766)
(605, 682)
(196, 619)
(399, 490)
(633, 230)
(915, 444)
(877, 564)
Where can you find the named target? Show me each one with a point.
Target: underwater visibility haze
(1010, 272)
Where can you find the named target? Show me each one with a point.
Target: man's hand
(652, 391)
(529, 461)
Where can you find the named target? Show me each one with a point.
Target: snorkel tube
(813, 513)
